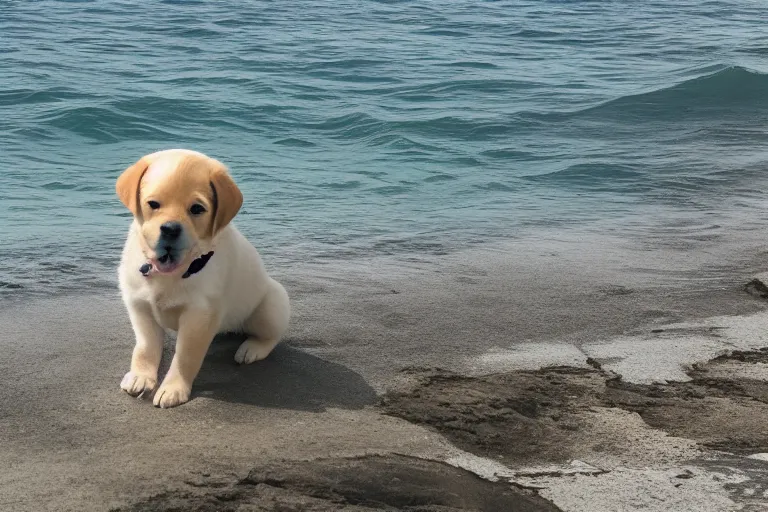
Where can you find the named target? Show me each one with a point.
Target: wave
(156, 119)
(471, 64)
(729, 93)
(725, 93)
(104, 124)
(30, 96)
(594, 176)
(731, 88)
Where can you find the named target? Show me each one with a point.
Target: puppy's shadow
(288, 379)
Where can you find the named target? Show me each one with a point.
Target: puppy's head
(181, 200)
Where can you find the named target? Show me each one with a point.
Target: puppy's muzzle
(170, 245)
(170, 231)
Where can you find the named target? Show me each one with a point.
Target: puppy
(186, 268)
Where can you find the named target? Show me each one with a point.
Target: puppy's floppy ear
(227, 197)
(127, 186)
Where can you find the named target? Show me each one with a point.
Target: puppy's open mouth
(166, 264)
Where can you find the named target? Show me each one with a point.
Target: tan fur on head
(169, 185)
(228, 198)
(127, 185)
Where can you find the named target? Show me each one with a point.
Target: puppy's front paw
(136, 384)
(172, 394)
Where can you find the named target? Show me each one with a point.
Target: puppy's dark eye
(196, 209)
(153, 204)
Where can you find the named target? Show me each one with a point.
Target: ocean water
(360, 128)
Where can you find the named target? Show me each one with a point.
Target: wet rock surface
(538, 416)
(522, 419)
(516, 417)
(757, 288)
(373, 483)
(725, 411)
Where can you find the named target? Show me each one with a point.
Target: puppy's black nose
(170, 230)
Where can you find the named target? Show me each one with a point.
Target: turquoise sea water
(393, 128)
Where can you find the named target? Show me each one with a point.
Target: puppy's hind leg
(266, 325)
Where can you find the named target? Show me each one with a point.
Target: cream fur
(233, 293)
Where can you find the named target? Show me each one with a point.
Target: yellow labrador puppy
(186, 268)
